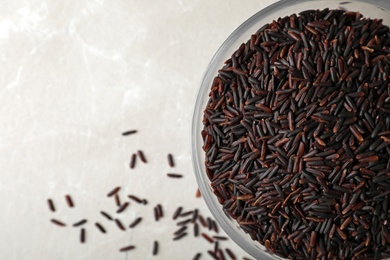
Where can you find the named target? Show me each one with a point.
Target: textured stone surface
(75, 75)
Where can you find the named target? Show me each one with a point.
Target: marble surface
(75, 75)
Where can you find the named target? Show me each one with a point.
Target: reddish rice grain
(198, 194)
(127, 248)
(207, 237)
(187, 213)
(119, 224)
(220, 254)
(69, 201)
(114, 191)
(58, 222)
(117, 200)
(213, 255)
(142, 156)
(202, 221)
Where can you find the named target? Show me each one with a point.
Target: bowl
(369, 8)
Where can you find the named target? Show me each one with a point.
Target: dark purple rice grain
(119, 224)
(180, 236)
(215, 226)
(220, 254)
(130, 132)
(174, 175)
(184, 222)
(202, 221)
(186, 214)
(213, 254)
(82, 235)
(177, 213)
(160, 211)
(106, 215)
(135, 222)
(80, 223)
(197, 256)
(180, 230)
(194, 215)
(220, 238)
(51, 205)
(155, 248)
(100, 227)
(135, 198)
(196, 230)
(127, 248)
(58, 222)
(117, 200)
(230, 254)
(142, 156)
(69, 201)
(171, 162)
(207, 237)
(156, 214)
(122, 207)
(133, 160)
(114, 191)
(209, 223)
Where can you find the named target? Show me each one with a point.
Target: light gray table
(73, 76)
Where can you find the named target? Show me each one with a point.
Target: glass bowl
(369, 8)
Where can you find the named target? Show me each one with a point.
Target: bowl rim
(197, 161)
